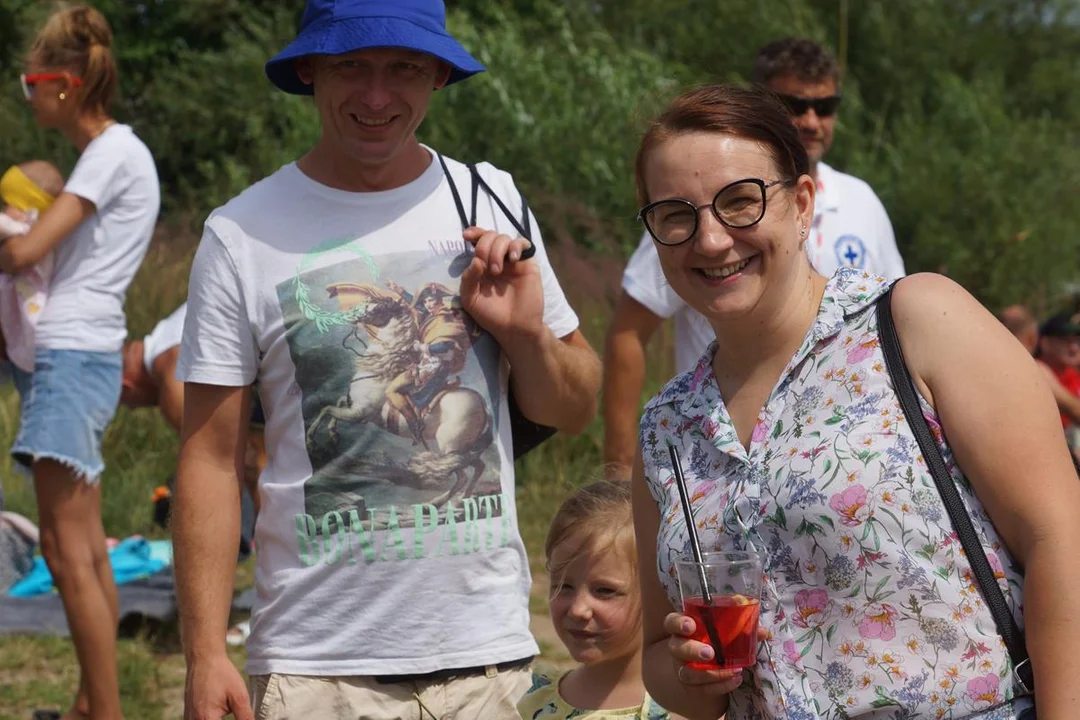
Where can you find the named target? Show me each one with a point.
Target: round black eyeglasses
(737, 205)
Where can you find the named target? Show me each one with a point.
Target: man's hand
(214, 689)
(503, 295)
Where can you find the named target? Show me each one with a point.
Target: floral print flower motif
(940, 633)
(791, 654)
(867, 604)
(840, 572)
(838, 679)
(879, 621)
(863, 350)
(811, 608)
(851, 505)
(982, 692)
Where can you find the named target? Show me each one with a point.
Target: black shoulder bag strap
(526, 434)
(950, 496)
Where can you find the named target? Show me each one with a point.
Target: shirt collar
(847, 293)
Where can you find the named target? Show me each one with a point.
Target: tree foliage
(961, 113)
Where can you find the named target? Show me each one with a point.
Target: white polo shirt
(850, 229)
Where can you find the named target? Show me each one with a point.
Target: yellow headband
(22, 193)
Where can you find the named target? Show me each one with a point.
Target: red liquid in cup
(735, 618)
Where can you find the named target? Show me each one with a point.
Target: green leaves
(961, 115)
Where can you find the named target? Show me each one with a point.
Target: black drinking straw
(695, 548)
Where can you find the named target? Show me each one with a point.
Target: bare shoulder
(946, 333)
(928, 300)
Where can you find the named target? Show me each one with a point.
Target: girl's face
(725, 272)
(595, 601)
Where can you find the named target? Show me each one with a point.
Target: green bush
(562, 107)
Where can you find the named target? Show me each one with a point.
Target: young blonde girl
(596, 609)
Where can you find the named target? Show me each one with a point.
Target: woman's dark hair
(753, 113)
(78, 39)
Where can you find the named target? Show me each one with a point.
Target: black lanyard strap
(523, 227)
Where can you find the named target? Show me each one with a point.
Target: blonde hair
(78, 39)
(600, 516)
(45, 175)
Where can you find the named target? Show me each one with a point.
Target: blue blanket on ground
(132, 559)
(151, 598)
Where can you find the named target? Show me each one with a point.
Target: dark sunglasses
(823, 107)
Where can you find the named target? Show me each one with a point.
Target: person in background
(1023, 325)
(595, 604)
(850, 228)
(26, 190)
(99, 229)
(149, 380)
(794, 445)
(1059, 355)
(1025, 328)
(393, 581)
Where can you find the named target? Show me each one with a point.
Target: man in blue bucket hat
(381, 295)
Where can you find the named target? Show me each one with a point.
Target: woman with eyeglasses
(794, 446)
(99, 229)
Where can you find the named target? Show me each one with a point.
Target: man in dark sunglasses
(806, 77)
(850, 228)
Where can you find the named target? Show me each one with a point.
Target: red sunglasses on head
(28, 81)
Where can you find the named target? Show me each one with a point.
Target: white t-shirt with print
(166, 334)
(379, 553)
(850, 228)
(97, 262)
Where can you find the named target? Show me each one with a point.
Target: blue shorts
(67, 403)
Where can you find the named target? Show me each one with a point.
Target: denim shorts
(67, 403)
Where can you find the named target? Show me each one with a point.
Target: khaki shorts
(490, 696)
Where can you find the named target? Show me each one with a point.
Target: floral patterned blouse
(868, 600)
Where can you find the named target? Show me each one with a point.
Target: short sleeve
(218, 345)
(559, 316)
(644, 281)
(542, 697)
(99, 175)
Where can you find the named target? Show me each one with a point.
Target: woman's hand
(686, 650)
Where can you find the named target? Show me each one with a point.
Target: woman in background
(99, 228)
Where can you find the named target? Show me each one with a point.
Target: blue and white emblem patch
(850, 251)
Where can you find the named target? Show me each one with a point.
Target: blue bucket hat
(336, 27)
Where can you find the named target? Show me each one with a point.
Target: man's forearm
(554, 382)
(624, 376)
(206, 535)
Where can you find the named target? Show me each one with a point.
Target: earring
(802, 232)
(63, 96)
